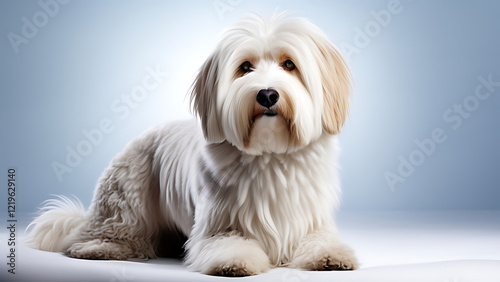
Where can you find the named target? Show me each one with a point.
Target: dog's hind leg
(124, 219)
(101, 249)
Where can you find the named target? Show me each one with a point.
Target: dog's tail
(58, 225)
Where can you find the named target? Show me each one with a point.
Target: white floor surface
(455, 246)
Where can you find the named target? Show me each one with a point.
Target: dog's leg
(100, 249)
(323, 250)
(228, 254)
(123, 220)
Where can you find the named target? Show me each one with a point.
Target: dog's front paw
(236, 269)
(228, 254)
(333, 257)
(331, 263)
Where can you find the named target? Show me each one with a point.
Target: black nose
(267, 97)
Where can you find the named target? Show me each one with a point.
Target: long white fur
(244, 204)
(58, 225)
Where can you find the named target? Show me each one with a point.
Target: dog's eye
(246, 67)
(289, 65)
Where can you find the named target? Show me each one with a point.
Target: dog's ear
(204, 100)
(336, 80)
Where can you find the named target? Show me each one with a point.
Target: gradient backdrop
(426, 100)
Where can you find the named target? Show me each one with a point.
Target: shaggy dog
(252, 186)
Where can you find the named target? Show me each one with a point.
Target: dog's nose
(267, 97)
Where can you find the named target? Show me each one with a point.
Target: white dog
(254, 188)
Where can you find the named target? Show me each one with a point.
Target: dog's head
(272, 86)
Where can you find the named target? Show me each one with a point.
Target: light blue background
(428, 58)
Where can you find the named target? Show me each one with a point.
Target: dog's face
(272, 86)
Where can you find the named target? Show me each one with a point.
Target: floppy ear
(336, 80)
(204, 100)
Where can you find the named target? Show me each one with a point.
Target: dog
(252, 183)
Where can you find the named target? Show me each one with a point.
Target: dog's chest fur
(275, 198)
